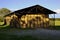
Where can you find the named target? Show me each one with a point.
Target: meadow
(57, 23)
(5, 35)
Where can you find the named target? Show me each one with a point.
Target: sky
(13, 5)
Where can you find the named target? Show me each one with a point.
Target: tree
(3, 12)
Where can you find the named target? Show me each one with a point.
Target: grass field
(1, 23)
(5, 36)
(57, 23)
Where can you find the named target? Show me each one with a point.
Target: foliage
(3, 12)
(1, 19)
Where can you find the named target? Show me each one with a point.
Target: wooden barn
(31, 17)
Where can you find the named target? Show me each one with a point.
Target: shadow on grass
(15, 37)
(54, 27)
(26, 37)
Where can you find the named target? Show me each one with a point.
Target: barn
(31, 17)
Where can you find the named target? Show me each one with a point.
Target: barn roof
(33, 10)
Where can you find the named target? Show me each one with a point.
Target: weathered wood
(31, 17)
(35, 21)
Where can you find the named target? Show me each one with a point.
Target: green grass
(1, 23)
(57, 23)
(4, 36)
